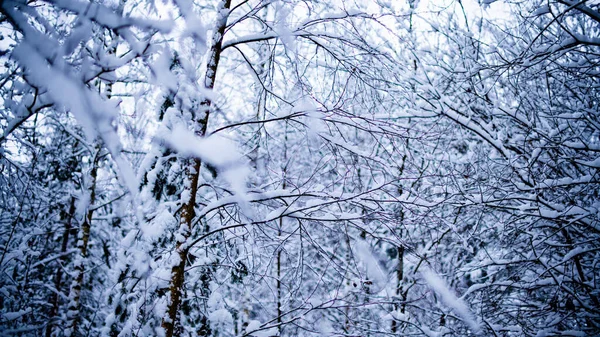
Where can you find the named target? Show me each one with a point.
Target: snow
(374, 270)
(64, 90)
(215, 149)
(194, 25)
(541, 10)
(215, 300)
(549, 213)
(107, 17)
(438, 285)
(82, 205)
(14, 315)
(276, 213)
(256, 325)
(248, 38)
(398, 315)
(218, 151)
(285, 34)
(593, 163)
(154, 229)
(547, 171)
(52, 258)
(161, 70)
(128, 239)
(95, 114)
(220, 316)
(573, 252)
(325, 328)
(81, 33)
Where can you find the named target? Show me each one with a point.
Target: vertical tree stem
(170, 322)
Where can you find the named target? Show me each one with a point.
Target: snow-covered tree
(298, 168)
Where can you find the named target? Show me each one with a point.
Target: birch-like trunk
(83, 237)
(280, 233)
(171, 321)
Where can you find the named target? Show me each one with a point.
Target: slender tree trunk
(171, 321)
(280, 232)
(399, 278)
(400, 256)
(73, 314)
(279, 292)
(55, 300)
(348, 282)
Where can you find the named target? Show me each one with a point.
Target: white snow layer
(438, 285)
(215, 150)
(374, 270)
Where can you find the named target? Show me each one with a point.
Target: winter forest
(299, 168)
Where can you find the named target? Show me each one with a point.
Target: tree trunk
(55, 300)
(73, 314)
(171, 321)
(399, 278)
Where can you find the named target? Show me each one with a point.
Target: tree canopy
(299, 168)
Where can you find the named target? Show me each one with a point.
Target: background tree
(531, 198)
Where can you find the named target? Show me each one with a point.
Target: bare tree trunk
(279, 234)
(279, 312)
(399, 278)
(171, 321)
(348, 282)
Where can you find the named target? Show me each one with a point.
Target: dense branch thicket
(299, 168)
